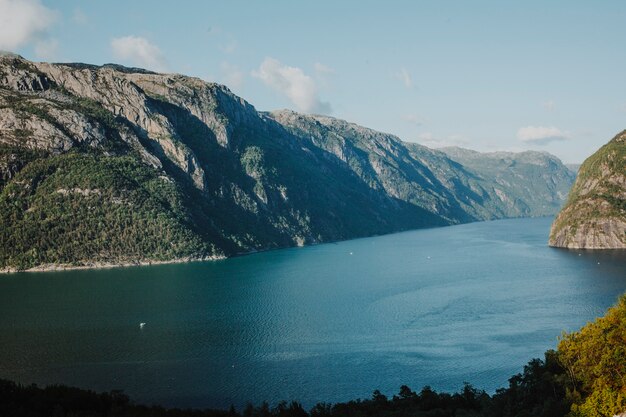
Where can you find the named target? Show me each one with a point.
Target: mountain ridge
(184, 169)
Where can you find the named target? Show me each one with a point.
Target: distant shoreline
(107, 265)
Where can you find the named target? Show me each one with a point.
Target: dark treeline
(540, 391)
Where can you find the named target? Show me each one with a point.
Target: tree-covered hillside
(114, 165)
(595, 360)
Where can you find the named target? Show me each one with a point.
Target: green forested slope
(119, 165)
(81, 208)
(595, 360)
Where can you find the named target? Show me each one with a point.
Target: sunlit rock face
(595, 214)
(218, 176)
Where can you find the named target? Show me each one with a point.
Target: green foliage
(92, 109)
(595, 359)
(13, 159)
(540, 391)
(80, 208)
(253, 162)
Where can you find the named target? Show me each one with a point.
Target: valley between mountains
(108, 165)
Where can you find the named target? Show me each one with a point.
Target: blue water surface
(327, 323)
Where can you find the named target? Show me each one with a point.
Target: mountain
(595, 214)
(108, 165)
(531, 183)
(573, 167)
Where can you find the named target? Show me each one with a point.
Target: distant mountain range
(108, 165)
(595, 214)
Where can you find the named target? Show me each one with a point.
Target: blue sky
(486, 75)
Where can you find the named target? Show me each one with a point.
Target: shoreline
(108, 265)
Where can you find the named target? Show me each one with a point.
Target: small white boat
(142, 325)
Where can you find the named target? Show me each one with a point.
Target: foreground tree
(595, 360)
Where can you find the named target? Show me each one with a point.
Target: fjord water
(325, 323)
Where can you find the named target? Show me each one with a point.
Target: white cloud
(300, 88)
(549, 105)
(24, 22)
(404, 76)
(540, 135)
(231, 75)
(139, 51)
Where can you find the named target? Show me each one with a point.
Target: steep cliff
(113, 165)
(595, 214)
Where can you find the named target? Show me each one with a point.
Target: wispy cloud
(24, 22)
(232, 76)
(300, 88)
(139, 51)
(405, 77)
(540, 135)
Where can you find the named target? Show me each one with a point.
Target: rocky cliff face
(595, 214)
(120, 165)
(526, 184)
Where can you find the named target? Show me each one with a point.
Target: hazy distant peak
(532, 157)
(457, 150)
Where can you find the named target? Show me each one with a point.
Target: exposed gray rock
(595, 215)
(252, 180)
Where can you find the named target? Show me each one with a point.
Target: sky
(484, 75)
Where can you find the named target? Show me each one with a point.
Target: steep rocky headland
(595, 214)
(108, 165)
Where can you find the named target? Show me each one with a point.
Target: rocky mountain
(530, 183)
(595, 214)
(573, 167)
(115, 165)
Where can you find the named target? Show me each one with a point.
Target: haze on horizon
(484, 75)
